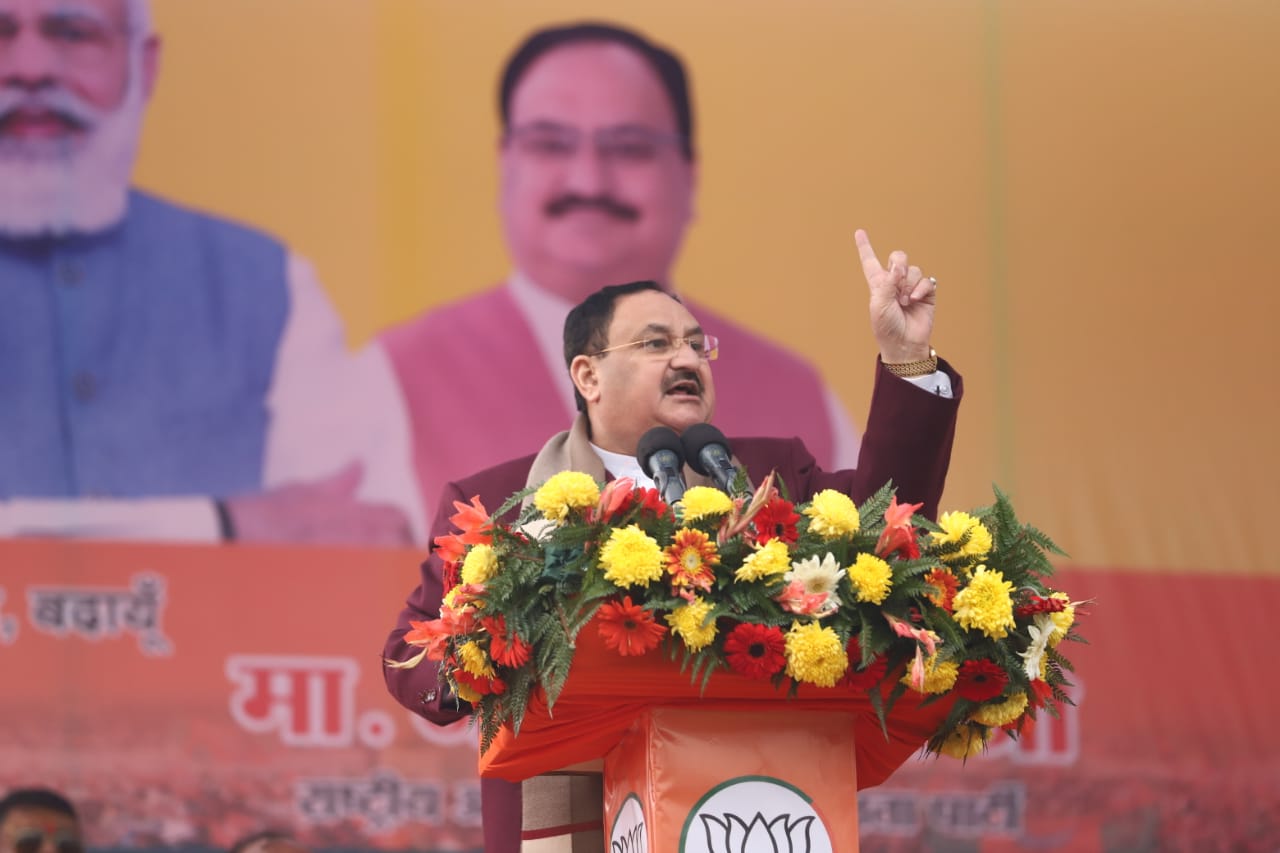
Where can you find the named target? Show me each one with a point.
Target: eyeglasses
(32, 841)
(626, 144)
(706, 347)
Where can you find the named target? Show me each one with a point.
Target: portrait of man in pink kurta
(598, 170)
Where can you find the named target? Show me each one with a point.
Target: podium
(739, 766)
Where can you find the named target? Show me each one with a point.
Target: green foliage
(550, 586)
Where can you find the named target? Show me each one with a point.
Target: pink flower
(925, 637)
(794, 599)
(615, 498)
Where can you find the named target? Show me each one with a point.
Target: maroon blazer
(479, 356)
(908, 440)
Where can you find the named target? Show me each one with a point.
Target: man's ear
(150, 64)
(582, 370)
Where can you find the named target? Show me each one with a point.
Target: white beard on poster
(59, 187)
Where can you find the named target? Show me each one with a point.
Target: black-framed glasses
(706, 347)
(33, 841)
(628, 144)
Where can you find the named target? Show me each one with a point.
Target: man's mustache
(60, 103)
(604, 203)
(679, 376)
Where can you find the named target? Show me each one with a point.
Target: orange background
(1096, 187)
(1094, 184)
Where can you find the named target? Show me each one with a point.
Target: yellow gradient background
(1094, 184)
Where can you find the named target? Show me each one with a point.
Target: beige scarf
(564, 811)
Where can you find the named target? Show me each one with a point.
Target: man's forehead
(650, 309)
(103, 10)
(590, 85)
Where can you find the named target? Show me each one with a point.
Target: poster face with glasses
(278, 271)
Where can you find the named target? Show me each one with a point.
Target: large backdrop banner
(273, 271)
(187, 695)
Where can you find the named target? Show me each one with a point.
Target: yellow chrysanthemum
(834, 514)
(474, 660)
(965, 741)
(703, 502)
(871, 578)
(479, 565)
(566, 491)
(687, 622)
(1062, 620)
(467, 693)
(815, 654)
(955, 525)
(1002, 713)
(631, 557)
(770, 560)
(451, 595)
(938, 677)
(985, 604)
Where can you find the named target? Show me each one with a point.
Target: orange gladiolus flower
(899, 536)
(432, 636)
(615, 497)
(451, 548)
(473, 520)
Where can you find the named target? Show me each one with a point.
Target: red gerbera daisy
(980, 680)
(776, 520)
(691, 560)
(1040, 693)
(628, 628)
(651, 503)
(756, 651)
(863, 679)
(513, 653)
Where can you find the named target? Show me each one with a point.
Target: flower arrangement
(824, 593)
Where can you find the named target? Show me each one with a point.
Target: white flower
(1040, 632)
(818, 577)
(811, 587)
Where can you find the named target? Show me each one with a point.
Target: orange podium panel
(701, 780)
(605, 694)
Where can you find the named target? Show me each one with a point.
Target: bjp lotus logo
(755, 814)
(629, 834)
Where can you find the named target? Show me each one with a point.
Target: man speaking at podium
(639, 359)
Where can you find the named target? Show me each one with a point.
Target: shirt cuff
(938, 383)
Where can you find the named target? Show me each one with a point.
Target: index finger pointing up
(870, 263)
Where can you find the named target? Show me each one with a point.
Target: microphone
(707, 451)
(661, 456)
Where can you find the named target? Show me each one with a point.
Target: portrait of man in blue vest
(164, 373)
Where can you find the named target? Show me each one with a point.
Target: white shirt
(327, 406)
